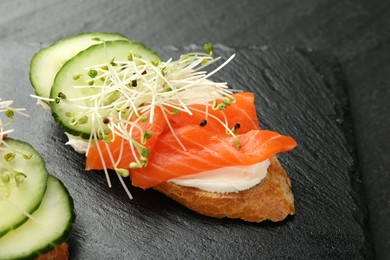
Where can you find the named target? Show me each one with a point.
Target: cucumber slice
(69, 76)
(29, 193)
(47, 62)
(55, 218)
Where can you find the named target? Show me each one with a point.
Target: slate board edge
(333, 71)
(346, 125)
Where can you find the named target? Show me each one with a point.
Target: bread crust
(271, 199)
(60, 252)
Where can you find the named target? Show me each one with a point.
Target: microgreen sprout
(123, 172)
(227, 101)
(60, 96)
(134, 165)
(9, 112)
(112, 62)
(208, 47)
(175, 111)
(238, 143)
(143, 118)
(147, 135)
(107, 139)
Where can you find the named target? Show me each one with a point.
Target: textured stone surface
(357, 32)
(299, 93)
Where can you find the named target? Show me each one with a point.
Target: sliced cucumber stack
(51, 225)
(76, 118)
(23, 178)
(36, 210)
(47, 62)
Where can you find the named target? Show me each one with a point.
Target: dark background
(356, 32)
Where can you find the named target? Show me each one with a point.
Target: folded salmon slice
(206, 151)
(207, 146)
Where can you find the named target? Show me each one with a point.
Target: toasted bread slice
(58, 253)
(271, 199)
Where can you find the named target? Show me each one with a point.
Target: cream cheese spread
(226, 179)
(79, 144)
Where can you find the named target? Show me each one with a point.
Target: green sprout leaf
(227, 101)
(107, 139)
(144, 152)
(61, 95)
(143, 118)
(9, 113)
(123, 172)
(175, 111)
(208, 47)
(134, 165)
(147, 135)
(222, 107)
(238, 144)
(130, 56)
(112, 62)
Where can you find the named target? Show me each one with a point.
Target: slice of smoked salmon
(242, 112)
(206, 151)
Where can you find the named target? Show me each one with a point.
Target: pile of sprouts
(126, 93)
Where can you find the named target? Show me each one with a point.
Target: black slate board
(299, 93)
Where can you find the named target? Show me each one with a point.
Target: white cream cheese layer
(227, 179)
(79, 144)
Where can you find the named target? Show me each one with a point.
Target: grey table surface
(356, 32)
